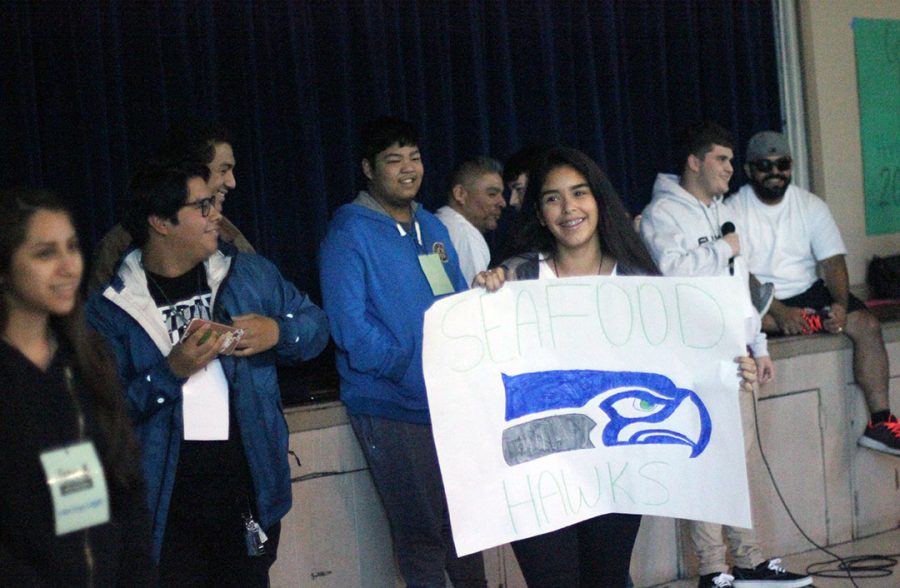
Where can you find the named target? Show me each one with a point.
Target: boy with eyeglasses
(190, 141)
(789, 233)
(208, 415)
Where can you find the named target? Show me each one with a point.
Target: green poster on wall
(878, 82)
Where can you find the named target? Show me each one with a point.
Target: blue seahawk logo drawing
(639, 408)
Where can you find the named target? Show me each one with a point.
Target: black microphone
(727, 229)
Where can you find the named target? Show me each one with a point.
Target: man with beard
(473, 208)
(789, 232)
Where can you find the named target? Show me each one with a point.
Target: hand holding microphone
(730, 237)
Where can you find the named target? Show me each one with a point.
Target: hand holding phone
(261, 333)
(229, 335)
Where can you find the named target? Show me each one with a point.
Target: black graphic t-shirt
(181, 299)
(212, 477)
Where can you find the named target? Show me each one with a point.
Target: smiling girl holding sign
(574, 224)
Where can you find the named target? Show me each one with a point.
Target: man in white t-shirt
(789, 235)
(473, 208)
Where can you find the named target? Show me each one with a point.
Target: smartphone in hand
(230, 335)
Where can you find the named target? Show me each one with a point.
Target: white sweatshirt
(684, 237)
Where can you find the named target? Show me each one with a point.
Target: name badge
(436, 274)
(77, 487)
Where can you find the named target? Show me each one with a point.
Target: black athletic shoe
(885, 436)
(768, 573)
(717, 580)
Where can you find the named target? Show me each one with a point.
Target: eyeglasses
(766, 165)
(204, 205)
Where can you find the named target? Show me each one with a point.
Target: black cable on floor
(857, 566)
(861, 566)
(314, 475)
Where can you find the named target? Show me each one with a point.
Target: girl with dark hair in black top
(64, 431)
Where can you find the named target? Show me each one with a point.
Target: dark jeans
(404, 466)
(592, 553)
(198, 552)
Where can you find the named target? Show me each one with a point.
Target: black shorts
(818, 297)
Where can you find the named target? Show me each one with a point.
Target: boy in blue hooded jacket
(384, 261)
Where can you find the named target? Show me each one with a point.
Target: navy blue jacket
(126, 314)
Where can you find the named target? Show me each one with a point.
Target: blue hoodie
(376, 294)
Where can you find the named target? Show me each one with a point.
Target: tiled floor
(882, 544)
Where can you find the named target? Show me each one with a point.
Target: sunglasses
(766, 165)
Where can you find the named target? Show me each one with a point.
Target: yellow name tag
(77, 487)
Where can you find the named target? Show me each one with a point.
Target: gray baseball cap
(767, 143)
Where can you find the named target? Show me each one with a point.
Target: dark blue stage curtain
(88, 89)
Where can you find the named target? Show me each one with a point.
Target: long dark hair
(616, 232)
(93, 361)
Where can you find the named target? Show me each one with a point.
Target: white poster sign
(556, 401)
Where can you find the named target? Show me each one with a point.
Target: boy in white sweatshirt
(690, 232)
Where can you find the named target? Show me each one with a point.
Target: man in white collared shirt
(473, 208)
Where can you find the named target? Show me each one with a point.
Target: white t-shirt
(784, 242)
(545, 270)
(472, 249)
